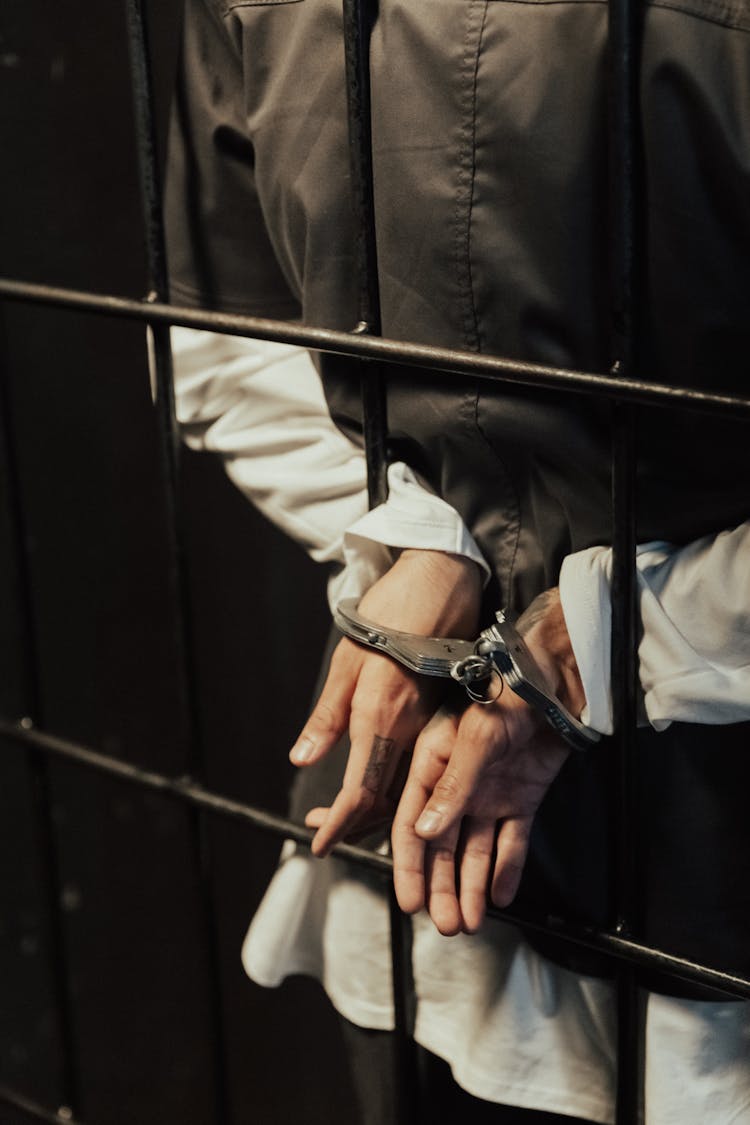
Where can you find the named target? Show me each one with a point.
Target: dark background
(83, 440)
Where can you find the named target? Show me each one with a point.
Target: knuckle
(324, 719)
(449, 789)
(342, 654)
(430, 742)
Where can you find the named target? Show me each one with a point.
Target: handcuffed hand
(383, 705)
(474, 773)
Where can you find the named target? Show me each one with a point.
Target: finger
(475, 868)
(512, 849)
(330, 716)
(375, 823)
(315, 817)
(373, 756)
(432, 747)
(348, 810)
(382, 809)
(363, 793)
(479, 736)
(441, 887)
(380, 727)
(408, 849)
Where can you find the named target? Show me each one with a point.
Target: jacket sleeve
(219, 251)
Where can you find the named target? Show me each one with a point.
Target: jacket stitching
(466, 170)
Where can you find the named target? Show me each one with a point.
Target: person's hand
(473, 773)
(383, 705)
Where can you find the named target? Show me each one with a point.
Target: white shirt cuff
(694, 604)
(584, 595)
(411, 517)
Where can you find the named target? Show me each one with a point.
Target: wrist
(452, 583)
(432, 593)
(544, 628)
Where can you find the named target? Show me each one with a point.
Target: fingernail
(428, 822)
(302, 750)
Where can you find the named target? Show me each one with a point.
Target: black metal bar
(358, 20)
(626, 246)
(162, 361)
(624, 667)
(145, 129)
(63, 1116)
(406, 1068)
(185, 789)
(419, 357)
(624, 778)
(148, 166)
(44, 829)
(357, 26)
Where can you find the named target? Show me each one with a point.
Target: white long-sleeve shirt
(515, 1028)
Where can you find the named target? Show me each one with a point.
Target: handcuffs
(498, 649)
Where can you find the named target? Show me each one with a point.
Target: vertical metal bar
(44, 829)
(624, 41)
(404, 1009)
(358, 21)
(630, 1006)
(170, 450)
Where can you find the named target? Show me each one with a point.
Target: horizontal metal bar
(185, 789)
(62, 1116)
(421, 357)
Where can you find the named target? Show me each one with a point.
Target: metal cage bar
(357, 28)
(35, 1111)
(151, 195)
(626, 246)
(420, 358)
(358, 18)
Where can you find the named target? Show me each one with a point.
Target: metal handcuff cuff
(498, 649)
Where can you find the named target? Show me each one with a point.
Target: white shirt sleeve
(261, 407)
(411, 517)
(694, 655)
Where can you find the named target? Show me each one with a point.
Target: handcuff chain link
(476, 669)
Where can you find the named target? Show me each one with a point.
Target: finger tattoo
(380, 753)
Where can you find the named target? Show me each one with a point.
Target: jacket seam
(467, 170)
(724, 15)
